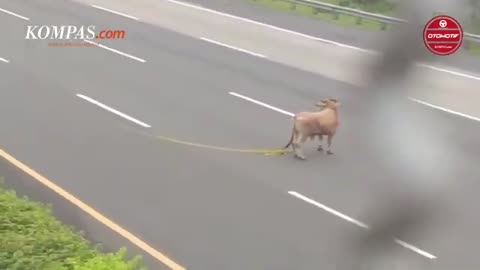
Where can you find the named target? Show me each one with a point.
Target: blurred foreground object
(406, 140)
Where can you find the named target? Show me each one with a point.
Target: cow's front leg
(329, 139)
(320, 147)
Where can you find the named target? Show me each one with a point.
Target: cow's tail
(292, 135)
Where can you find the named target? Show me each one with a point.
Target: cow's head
(331, 103)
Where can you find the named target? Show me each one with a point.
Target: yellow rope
(266, 152)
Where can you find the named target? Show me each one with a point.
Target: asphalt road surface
(204, 208)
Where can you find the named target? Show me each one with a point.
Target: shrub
(114, 261)
(31, 238)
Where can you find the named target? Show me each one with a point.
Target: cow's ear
(321, 103)
(334, 100)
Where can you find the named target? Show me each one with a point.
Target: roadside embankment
(35, 235)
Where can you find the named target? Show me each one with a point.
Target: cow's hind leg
(298, 142)
(294, 140)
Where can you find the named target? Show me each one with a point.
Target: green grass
(474, 49)
(340, 19)
(31, 238)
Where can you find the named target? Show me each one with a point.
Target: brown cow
(310, 124)
(322, 105)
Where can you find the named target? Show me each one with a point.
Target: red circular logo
(443, 35)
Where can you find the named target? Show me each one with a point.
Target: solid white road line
(358, 223)
(4, 60)
(15, 14)
(262, 104)
(446, 110)
(115, 51)
(115, 12)
(110, 109)
(232, 47)
(308, 36)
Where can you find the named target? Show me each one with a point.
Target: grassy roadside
(351, 21)
(474, 49)
(340, 19)
(31, 238)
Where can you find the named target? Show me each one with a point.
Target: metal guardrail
(364, 15)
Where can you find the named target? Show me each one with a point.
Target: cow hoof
(320, 149)
(329, 152)
(300, 157)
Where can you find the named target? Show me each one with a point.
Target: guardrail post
(293, 6)
(335, 15)
(466, 44)
(359, 20)
(384, 26)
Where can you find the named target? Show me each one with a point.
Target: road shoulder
(70, 214)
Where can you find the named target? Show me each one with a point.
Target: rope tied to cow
(266, 152)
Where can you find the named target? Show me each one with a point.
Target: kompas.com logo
(70, 32)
